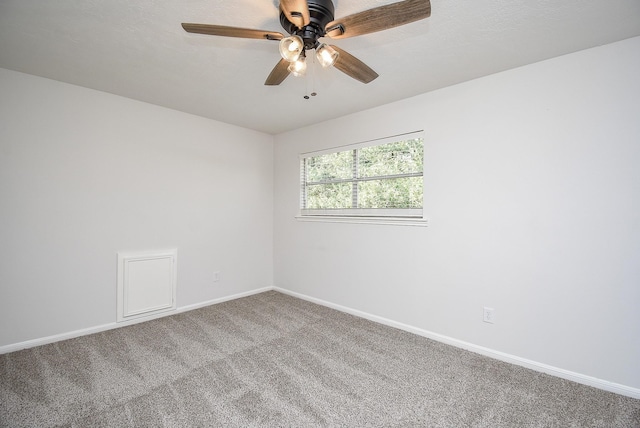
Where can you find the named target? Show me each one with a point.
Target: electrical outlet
(216, 276)
(488, 315)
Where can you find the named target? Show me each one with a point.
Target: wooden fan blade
(221, 30)
(296, 11)
(353, 67)
(278, 74)
(379, 18)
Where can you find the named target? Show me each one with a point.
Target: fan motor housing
(321, 12)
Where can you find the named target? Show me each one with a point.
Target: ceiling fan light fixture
(326, 55)
(307, 21)
(298, 67)
(291, 47)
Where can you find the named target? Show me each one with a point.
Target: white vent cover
(146, 283)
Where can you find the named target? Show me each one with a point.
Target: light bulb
(298, 67)
(326, 55)
(291, 48)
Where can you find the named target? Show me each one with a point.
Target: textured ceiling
(137, 49)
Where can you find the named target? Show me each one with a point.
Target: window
(382, 178)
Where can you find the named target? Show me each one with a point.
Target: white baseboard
(534, 365)
(104, 327)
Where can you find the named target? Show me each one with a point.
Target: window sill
(395, 221)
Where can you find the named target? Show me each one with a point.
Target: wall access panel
(146, 283)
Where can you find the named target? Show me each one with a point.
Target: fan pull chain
(306, 87)
(313, 80)
(313, 75)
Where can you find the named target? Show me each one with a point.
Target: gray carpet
(274, 360)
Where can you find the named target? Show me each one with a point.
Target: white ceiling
(137, 49)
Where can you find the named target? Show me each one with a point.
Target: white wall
(533, 196)
(84, 174)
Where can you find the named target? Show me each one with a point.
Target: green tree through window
(377, 180)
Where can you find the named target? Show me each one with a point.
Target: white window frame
(393, 216)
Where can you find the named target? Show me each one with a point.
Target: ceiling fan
(307, 21)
